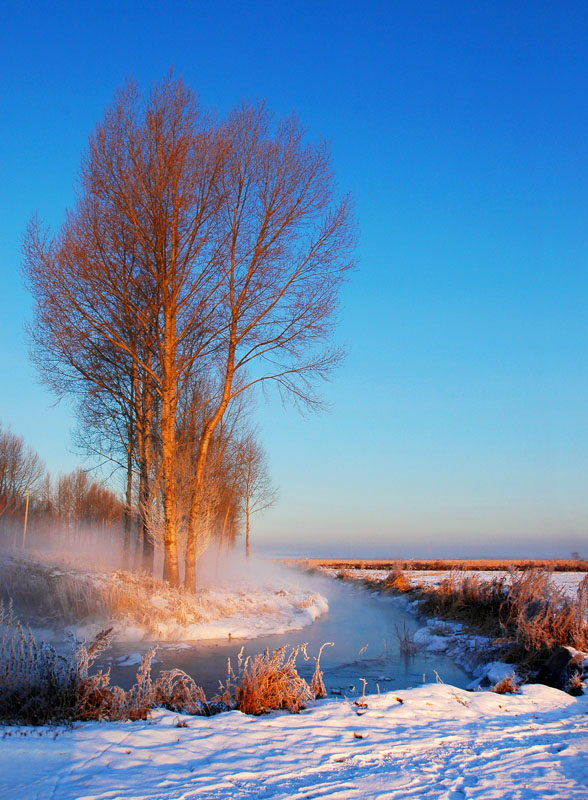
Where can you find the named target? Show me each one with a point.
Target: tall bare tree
(285, 245)
(196, 247)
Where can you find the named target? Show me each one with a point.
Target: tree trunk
(247, 550)
(127, 521)
(128, 517)
(209, 428)
(171, 571)
(192, 535)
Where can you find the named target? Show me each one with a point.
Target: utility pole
(24, 530)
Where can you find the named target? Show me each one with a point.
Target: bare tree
(80, 500)
(285, 245)
(195, 248)
(258, 493)
(136, 246)
(21, 471)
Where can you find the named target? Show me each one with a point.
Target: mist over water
(363, 626)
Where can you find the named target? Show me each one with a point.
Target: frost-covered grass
(527, 608)
(138, 606)
(425, 578)
(38, 685)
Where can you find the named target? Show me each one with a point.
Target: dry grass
(443, 565)
(406, 642)
(526, 612)
(38, 686)
(575, 685)
(508, 685)
(59, 593)
(317, 686)
(396, 579)
(270, 681)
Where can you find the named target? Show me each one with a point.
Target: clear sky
(459, 422)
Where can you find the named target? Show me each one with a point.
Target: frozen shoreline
(246, 601)
(438, 742)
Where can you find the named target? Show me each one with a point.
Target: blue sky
(459, 421)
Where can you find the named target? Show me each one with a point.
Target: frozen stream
(362, 625)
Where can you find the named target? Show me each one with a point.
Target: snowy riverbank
(567, 581)
(434, 741)
(243, 600)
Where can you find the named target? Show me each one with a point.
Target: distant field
(438, 564)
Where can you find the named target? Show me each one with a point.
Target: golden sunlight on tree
(203, 257)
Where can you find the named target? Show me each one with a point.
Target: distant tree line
(72, 498)
(74, 502)
(202, 259)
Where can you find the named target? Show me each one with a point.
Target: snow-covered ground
(241, 611)
(566, 580)
(242, 600)
(434, 741)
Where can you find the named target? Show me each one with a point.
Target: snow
(257, 611)
(568, 581)
(430, 641)
(492, 673)
(434, 741)
(245, 599)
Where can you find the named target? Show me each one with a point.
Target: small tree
(257, 490)
(21, 471)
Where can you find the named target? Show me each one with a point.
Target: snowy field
(434, 741)
(566, 580)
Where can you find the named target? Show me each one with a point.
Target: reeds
(444, 565)
(39, 686)
(526, 611)
(270, 681)
(406, 642)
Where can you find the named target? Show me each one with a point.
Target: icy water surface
(362, 625)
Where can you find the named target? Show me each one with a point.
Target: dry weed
(396, 579)
(317, 686)
(406, 642)
(270, 681)
(508, 685)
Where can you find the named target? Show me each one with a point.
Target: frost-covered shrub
(507, 685)
(396, 579)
